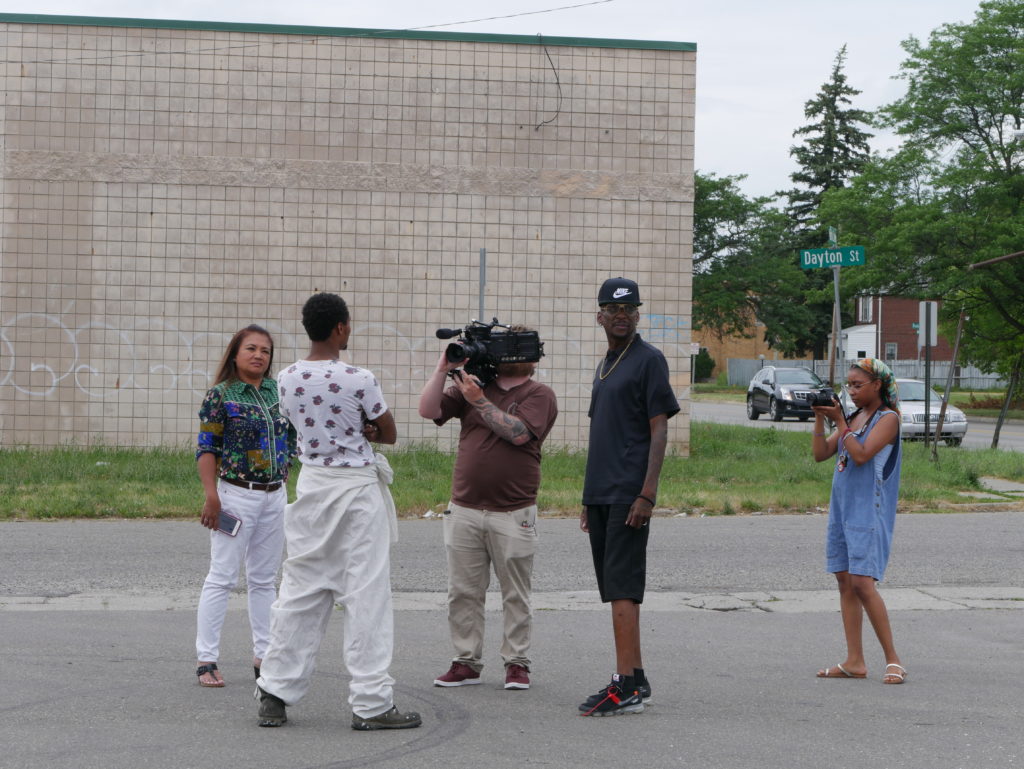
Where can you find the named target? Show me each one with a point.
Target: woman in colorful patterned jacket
(245, 447)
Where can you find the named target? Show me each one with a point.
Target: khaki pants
(475, 540)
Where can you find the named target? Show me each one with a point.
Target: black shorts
(620, 553)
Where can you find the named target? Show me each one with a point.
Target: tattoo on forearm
(503, 425)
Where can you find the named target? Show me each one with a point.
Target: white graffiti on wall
(47, 369)
(43, 372)
(107, 377)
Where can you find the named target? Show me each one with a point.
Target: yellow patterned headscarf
(876, 369)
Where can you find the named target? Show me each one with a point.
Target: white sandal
(901, 675)
(845, 673)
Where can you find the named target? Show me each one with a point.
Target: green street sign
(840, 256)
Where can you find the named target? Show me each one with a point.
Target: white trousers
(338, 537)
(260, 544)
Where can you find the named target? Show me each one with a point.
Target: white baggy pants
(260, 543)
(338, 538)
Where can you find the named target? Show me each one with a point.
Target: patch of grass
(985, 403)
(98, 483)
(423, 478)
(704, 391)
(733, 469)
(705, 388)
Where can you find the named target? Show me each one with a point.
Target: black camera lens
(455, 352)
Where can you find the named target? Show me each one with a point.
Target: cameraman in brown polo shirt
(492, 516)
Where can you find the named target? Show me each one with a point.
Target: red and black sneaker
(619, 697)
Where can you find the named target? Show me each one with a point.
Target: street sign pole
(836, 351)
(837, 320)
(834, 256)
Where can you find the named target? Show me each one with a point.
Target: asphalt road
(979, 431)
(97, 627)
(716, 554)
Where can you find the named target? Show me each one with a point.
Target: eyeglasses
(611, 310)
(856, 386)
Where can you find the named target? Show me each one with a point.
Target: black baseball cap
(619, 290)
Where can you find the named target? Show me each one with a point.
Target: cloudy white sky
(758, 61)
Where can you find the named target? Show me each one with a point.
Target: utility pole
(483, 281)
(949, 386)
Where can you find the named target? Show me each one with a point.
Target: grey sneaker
(272, 709)
(389, 719)
(645, 692)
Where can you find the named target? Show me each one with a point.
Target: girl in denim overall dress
(862, 509)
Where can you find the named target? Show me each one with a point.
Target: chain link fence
(742, 370)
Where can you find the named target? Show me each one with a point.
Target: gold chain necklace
(604, 374)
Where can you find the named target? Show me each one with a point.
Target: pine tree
(834, 150)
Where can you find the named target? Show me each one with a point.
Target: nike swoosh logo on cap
(621, 292)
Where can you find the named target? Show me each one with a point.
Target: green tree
(954, 194)
(745, 267)
(834, 149)
(703, 365)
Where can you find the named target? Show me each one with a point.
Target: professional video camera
(484, 346)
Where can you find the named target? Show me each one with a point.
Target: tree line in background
(949, 197)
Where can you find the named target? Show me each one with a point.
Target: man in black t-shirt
(630, 405)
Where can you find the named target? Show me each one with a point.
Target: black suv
(781, 392)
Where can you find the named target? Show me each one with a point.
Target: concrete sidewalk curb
(778, 601)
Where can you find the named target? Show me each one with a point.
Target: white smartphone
(228, 523)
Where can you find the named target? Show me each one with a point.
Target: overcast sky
(758, 61)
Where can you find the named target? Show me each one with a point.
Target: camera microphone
(447, 333)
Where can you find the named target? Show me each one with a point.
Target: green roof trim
(291, 29)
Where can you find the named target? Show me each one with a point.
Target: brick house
(887, 328)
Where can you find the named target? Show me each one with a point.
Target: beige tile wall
(162, 188)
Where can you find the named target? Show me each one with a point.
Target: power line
(370, 33)
(510, 16)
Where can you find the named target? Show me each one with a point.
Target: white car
(954, 423)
